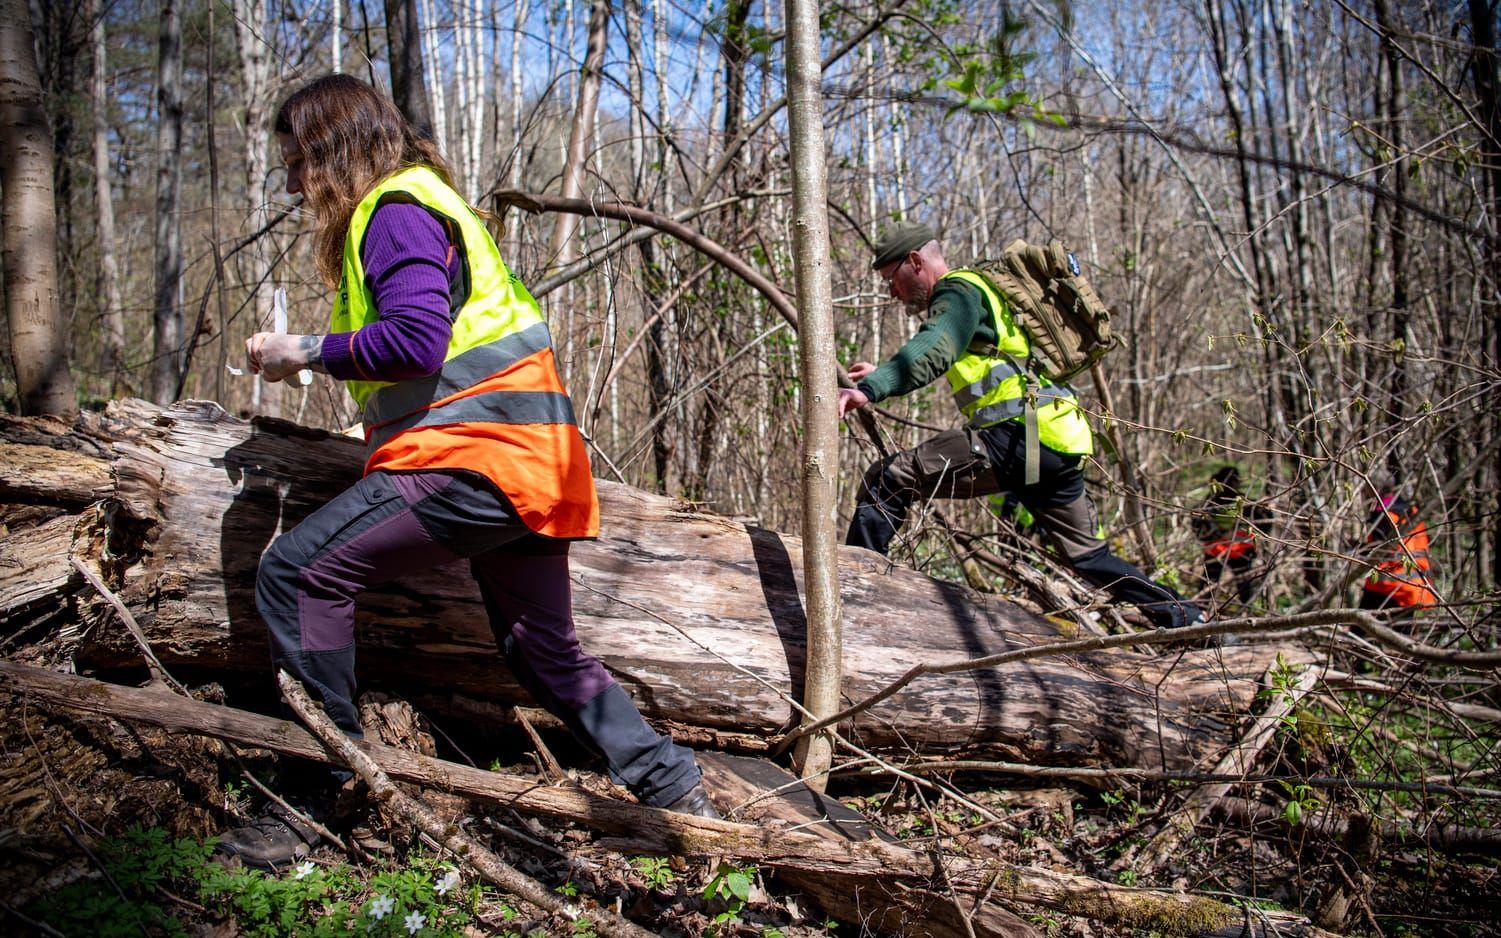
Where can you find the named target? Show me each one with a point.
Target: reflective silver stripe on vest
(1014, 407)
(515, 407)
(988, 382)
(462, 371)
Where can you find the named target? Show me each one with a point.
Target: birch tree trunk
(167, 345)
(819, 389)
(108, 281)
(253, 33)
(430, 68)
(516, 96)
(38, 339)
(404, 39)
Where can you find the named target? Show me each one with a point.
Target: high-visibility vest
(497, 406)
(989, 384)
(1403, 576)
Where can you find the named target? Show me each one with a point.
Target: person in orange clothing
(472, 451)
(1400, 576)
(1226, 527)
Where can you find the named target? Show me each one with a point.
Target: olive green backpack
(1067, 324)
(1066, 321)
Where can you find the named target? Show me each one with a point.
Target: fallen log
(1327, 824)
(637, 828)
(699, 617)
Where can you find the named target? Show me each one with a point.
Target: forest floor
(105, 829)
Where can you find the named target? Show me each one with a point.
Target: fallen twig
(158, 670)
(1451, 838)
(550, 765)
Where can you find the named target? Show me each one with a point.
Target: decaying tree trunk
(698, 617)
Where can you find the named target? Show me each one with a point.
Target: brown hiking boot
(274, 841)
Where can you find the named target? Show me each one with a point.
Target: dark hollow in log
(197, 495)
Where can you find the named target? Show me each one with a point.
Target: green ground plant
(731, 884)
(424, 899)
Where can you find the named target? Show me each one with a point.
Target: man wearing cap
(969, 336)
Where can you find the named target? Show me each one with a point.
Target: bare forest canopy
(1294, 207)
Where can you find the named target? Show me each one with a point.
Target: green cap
(899, 242)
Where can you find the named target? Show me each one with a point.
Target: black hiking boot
(274, 841)
(695, 802)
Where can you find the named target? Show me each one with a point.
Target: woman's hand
(860, 369)
(277, 355)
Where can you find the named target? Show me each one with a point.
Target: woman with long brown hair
(472, 449)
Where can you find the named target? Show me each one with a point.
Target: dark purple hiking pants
(389, 525)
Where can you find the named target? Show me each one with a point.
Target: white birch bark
(516, 93)
(872, 169)
(252, 31)
(432, 72)
(819, 389)
(898, 132)
(463, 86)
(659, 17)
(483, 65)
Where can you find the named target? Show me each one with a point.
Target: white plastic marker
(279, 324)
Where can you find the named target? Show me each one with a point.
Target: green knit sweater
(956, 318)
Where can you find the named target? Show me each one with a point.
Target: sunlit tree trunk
(820, 456)
(1394, 103)
(252, 31)
(563, 235)
(108, 282)
(336, 36)
(652, 280)
(429, 67)
(563, 248)
(517, 124)
(38, 339)
(167, 346)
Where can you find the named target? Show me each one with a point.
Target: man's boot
(274, 841)
(695, 802)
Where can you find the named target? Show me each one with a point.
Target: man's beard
(918, 304)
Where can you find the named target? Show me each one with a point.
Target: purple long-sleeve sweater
(409, 262)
